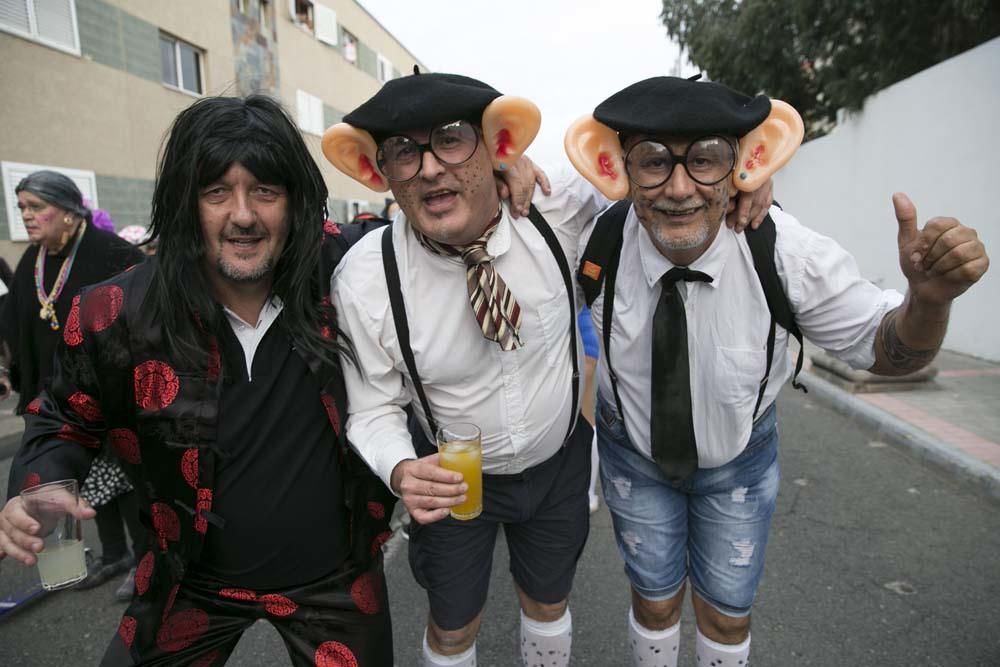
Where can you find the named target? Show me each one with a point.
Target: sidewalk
(952, 421)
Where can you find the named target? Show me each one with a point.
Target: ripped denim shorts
(711, 527)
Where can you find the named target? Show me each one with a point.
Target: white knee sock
(714, 654)
(466, 658)
(653, 648)
(546, 644)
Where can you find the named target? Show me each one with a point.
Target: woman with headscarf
(67, 253)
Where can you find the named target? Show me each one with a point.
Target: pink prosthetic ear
(766, 148)
(596, 152)
(352, 151)
(509, 126)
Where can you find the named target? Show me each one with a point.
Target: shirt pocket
(737, 374)
(553, 316)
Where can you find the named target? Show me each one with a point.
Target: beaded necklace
(48, 311)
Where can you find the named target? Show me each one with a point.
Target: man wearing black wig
(214, 371)
(686, 423)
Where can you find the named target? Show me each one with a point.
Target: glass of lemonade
(60, 562)
(460, 449)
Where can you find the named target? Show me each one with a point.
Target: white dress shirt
(521, 400)
(250, 335)
(728, 323)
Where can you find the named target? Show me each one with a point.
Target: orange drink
(460, 449)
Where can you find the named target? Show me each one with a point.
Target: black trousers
(111, 531)
(341, 620)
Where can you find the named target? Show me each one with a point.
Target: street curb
(902, 434)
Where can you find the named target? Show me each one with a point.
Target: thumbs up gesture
(940, 261)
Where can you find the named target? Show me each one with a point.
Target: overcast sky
(564, 55)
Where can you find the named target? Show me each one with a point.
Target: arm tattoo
(899, 356)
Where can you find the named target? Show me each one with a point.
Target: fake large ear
(766, 148)
(352, 151)
(596, 152)
(509, 126)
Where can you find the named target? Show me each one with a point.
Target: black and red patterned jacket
(113, 381)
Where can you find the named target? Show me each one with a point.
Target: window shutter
(14, 15)
(302, 106)
(56, 22)
(326, 24)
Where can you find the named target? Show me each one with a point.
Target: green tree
(823, 55)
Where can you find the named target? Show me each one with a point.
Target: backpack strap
(402, 326)
(550, 239)
(599, 265)
(762, 243)
(603, 247)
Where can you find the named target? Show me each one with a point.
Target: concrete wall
(933, 136)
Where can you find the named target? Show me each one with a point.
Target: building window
(384, 69)
(350, 48)
(302, 14)
(310, 110)
(241, 6)
(180, 64)
(13, 172)
(49, 22)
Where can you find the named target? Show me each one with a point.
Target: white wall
(934, 136)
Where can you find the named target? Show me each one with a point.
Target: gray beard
(683, 244)
(236, 275)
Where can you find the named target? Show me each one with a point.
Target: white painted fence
(934, 136)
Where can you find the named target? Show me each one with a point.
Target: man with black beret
(692, 360)
(490, 339)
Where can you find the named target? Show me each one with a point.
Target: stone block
(860, 382)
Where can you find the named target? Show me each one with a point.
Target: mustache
(253, 231)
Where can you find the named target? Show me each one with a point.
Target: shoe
(100, 570)
(594, 503)
(124, 592)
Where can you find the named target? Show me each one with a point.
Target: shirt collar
(654, 265)
(272, 308)
(496, 245)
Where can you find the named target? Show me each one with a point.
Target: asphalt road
(875, 559)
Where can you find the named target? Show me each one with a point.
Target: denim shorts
(711, 527)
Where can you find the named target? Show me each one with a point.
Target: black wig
(204, 140)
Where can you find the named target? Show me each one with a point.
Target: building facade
(89, 87)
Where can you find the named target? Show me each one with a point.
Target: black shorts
(545, 514)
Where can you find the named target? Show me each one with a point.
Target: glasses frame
(682, 159)
(424, 148)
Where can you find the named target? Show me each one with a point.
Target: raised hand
(940, 261)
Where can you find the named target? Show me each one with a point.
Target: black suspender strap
(599, 267)
(550, 239)
(402, 327)
(761, 242)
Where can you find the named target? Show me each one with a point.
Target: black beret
(670, 105)
(422, 101)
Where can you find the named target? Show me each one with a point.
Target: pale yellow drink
(466, 457)
(61, 563)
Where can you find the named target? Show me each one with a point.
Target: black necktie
(671, 427)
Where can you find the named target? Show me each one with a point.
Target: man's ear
(352, 151)
(768, 147)
(596, 152)
(509, 126)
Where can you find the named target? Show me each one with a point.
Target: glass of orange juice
(460, 449)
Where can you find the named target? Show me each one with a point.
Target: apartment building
(89, 87)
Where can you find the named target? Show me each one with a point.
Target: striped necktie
(493, 304)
